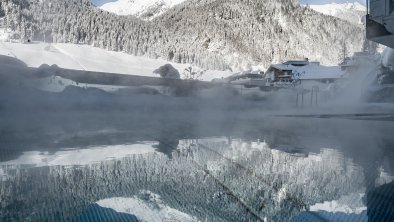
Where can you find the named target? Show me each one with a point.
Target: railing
(315, 95)
(301, 92)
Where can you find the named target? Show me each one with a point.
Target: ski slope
(89, 58)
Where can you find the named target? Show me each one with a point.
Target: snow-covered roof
(319, 72)
(297, 62)
(282, 67)
(311, 71)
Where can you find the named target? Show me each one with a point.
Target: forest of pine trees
(213, 34)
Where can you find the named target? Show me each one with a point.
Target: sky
(311, 2)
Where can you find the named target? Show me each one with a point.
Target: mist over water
(189, 154)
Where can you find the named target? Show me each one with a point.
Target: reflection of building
(273, 174)
(167, 146)
(181, 183)
(298, 71)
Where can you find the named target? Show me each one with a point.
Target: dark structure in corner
(380, 22)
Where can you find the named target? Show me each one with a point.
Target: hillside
(213, 34)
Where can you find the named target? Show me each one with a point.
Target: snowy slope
(352, 12)
(146, 9)
(147, 207)
(85, 57)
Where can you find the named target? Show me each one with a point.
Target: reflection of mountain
(285, 180)
(208, 179)
(180, 184)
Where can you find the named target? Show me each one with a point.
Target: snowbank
(85, 57)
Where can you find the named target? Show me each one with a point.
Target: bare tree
(191, 74)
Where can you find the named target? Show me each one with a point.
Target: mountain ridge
(145, 9)
(352, 12)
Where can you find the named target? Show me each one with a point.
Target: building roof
(297, 62)
(282, 67)
(311, 71)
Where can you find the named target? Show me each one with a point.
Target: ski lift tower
(380, 21)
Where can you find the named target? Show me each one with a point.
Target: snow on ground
(352, 12)
(140, 7)
(4, 35)
(89, 58)
(71, 157)
(147, 207)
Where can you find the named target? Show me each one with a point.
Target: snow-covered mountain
(145, 9)
(211, 34)
(352, 12)
(148, 9)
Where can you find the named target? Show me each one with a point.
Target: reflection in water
(381, 203)
(167, 145)
(76, 157)
(253, 174)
